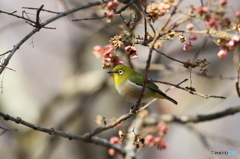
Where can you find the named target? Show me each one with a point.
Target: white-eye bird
(129, 84)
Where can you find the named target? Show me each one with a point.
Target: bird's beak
(111, 72)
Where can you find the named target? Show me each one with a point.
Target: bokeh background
(59, 83)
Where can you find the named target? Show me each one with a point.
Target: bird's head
(121, 73)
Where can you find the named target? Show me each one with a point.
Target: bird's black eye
(120, 72)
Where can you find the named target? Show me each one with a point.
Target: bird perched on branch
(129, 84)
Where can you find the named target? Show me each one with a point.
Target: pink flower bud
(132, 51)
(162, 126)
(192, 36)
(187, 46)
(211, 23)
(98, 51)
(108, 49)
(230, 44)
(162, 145)
(112, 5)
(236, 38)
(190, 26)
(109, 16)
(157, 140)
(222, 54)
(149, 140)
(237, 14)
(202, 10)
(111, 152)
(115, 140)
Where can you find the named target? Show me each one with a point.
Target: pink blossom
(235, 38)
(108, 49)
(149, 140)
(111, 152)
(233, 42)
(202, 10)
(192, 36)
(132, 51)
(187, 46)
(157, 140)
(222, 54)
(190, 26)
(162, 127)
(115, 140)
(112, 5)
(162, 145)
(211, 23)
(230, 44)
(98, 51)
(237, 14)
(109, 16)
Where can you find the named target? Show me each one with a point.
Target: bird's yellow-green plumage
(129, 84)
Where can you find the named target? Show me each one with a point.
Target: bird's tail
(171, 100)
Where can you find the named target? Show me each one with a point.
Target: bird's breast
(131, 91)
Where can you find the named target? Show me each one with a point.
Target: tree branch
(85, 138)
(183, 119)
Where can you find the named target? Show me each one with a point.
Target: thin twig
(5, 52)
(168, 56)
(124, 8)
(38, 16)
(17, 16)
(95, 18)
(189, 90)
(45, 10)
(149, 103)
(237, 81)
(8, 68)
(5, 130)
(177, 84)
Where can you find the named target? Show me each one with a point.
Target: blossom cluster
(158, 141)
(111, 6)
(227, 45)
(157, 10)
(114, 140)
(150, 140)
(109, 55)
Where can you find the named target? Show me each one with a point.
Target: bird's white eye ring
(120, 72)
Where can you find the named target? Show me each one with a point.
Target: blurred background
(60, 83)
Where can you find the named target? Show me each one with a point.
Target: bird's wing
(139, 80)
